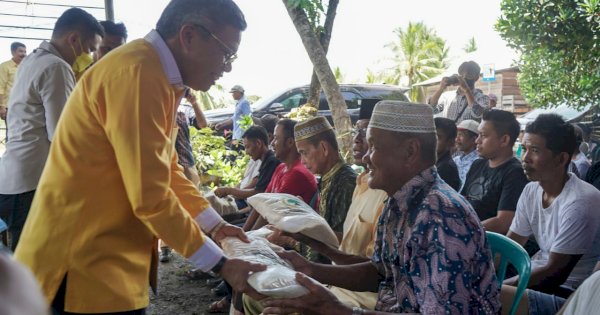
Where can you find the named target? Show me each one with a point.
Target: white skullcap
(403, 117)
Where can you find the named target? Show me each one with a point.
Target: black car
(283, 102)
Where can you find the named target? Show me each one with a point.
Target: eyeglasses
(230, 55)
(362, 132)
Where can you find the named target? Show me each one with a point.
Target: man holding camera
(469, 102)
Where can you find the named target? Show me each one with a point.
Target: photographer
(469, 102)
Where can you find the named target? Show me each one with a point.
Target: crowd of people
(98, 168)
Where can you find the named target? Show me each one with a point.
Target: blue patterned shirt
(463, 163)
(432, 252)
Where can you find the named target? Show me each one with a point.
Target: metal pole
(109, 9)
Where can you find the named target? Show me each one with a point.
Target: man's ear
(185, 35)
(324, 147)
(413, 150)
(290, 143)
(505, 140)
(564, 159)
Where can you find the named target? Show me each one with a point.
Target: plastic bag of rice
(278, 280)
(290, 214)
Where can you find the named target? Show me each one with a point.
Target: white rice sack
(290, 214)
(278, 281)
(263, 232)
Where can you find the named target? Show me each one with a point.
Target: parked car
(569, 114)
(283, 102)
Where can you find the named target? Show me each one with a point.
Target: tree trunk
(315, 51)
(314, 92)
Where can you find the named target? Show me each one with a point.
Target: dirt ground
(176, 293)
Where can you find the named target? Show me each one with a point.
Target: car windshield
(263, 102)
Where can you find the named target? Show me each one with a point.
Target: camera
(452, 80)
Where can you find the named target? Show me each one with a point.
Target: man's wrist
(216, 228)
(216, 269)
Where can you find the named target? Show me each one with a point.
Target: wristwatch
(216, 270)
(357, 311)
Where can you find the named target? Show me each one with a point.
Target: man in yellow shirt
(111, 186)
(8, 69)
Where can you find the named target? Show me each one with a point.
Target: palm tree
(339, 75)
(471, 45)
(419, 54)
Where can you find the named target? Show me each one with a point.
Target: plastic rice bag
(278, 280)
(290, 214)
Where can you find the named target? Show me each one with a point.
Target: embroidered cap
(470, 125)
(311, 127)
(403, 117)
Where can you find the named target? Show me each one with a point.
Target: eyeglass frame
(230, 54)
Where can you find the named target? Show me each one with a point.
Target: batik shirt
(460, 110)
(336, 188)
(463, 163)
(432, 253)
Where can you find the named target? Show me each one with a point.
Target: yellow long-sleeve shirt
(111, 185)
(8, 69)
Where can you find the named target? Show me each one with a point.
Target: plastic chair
(510, 251)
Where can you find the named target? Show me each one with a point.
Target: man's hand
(444, 83)
(191, 98)
(462, 84)
(3, 112)
(236, 273)
(228, 230)
(298, 262)
(222, 192)
(279, 238)
(319, 300)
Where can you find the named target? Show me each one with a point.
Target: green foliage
(559, 43)
(419, 54)
(471, 45)
(213, 158)
(314, 10)
(339, 75)
(245, 122)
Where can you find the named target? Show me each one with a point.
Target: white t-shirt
(251, 171)
(586, 300)
(570, 225)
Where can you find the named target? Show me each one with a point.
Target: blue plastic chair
(510, 251)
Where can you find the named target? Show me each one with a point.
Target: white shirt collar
(166, 58)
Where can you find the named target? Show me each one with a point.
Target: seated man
(256, 144)
(494, 184)
(585, 300)
(359, 228)
(557, 208)
(290, 177)
(579, 159)
(318, 148)
(446, 134)
(431, 254)
(466, 134)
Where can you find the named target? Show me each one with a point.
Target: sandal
(197, 274)
(221, 306)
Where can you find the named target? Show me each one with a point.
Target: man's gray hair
(211, 14)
